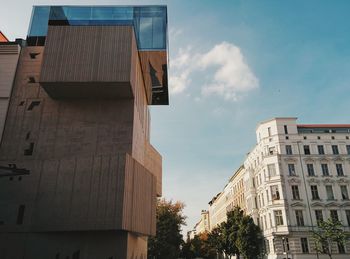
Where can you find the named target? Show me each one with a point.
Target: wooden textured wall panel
(153, 163)
(87, 61)
(139, 198)
(87, 54)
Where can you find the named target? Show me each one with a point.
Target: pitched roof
(3, 38)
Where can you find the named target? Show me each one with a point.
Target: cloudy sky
(233, 64)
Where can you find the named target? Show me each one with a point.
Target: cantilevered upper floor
(84, 27)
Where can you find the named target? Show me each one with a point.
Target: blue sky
(233, 64)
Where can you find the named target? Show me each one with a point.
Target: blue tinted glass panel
(78, 13)
(123, 13)
(39, 21)
(57, 13)
(150, 22)
(102, 13)
(145, 32)
(158, 33)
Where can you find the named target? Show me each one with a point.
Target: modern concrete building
(295, 176)
(79, 175)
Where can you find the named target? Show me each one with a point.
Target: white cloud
(180, 71)
(174, 33)
(231, 77)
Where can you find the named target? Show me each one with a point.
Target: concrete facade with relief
(93, 175)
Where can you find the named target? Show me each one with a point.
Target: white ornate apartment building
(295, 176)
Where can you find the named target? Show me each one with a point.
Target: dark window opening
(21, 103)
(32, 105)
(304, 245)
(332, 137)
(341, 248)
(335, 150)
(76, 255)
(31, 80)
(20, 178)
(287, 137)
(28, 135)
(33, 55)
(285, 129)
(305, 137)
(318, 137)
(307, 150)
(20, 215)
(36, 41)
(285, 243)
(320, 149)
(29, 150)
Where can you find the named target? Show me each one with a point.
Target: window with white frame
(325, 171)
(278, 217)
(310, 169)
(339, 168)
(335, 149)
(275, 192)
(314, 192)
(329, 191)
(291, 169)
(295, 192)
(344, 192)
(299, 217)
(271, 168)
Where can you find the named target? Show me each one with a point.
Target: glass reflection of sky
(150, 22)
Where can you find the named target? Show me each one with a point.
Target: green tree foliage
(238, 236)
(198, 247)
(216, 241)
(166, 244)
(249, 239)
(329, 232)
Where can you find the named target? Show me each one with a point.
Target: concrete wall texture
(94, 176)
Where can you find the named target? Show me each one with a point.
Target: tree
(230, 231)
(238, 236)
(250, 239)
(216, 241)
(198, 247)
(166, 244)
(329, 232)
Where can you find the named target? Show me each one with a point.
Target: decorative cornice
(317, 204)
(332, 204)
(345, 204)
(297, 204)
(325, 159)
(294, 180)
(328, 180)
(338, 158)
(313, 180)
(290, 159)
(343, 180)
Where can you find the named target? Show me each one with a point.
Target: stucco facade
(295, 176)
